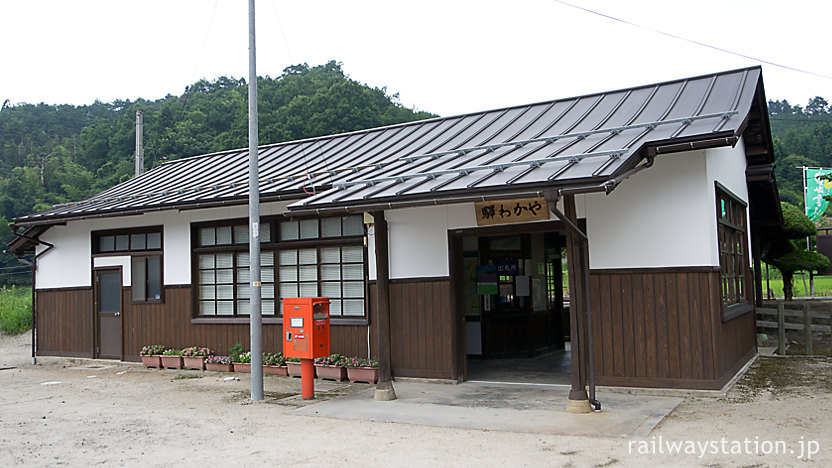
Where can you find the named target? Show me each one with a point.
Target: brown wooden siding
(170, 324)
(662, 328)
(420, 327)
(65, 322)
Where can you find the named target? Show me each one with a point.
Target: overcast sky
(447, 57)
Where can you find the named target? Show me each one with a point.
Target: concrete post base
(578, 406)
(385, 392)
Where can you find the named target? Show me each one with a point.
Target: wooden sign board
(511, 211)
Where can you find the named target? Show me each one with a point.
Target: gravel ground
(82, 413)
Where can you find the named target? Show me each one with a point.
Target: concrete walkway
(502, 407)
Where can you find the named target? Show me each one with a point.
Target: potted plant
(274, 364)
(243, 362)
(151, 355)
(194, 357)
(331, 368)
(293, 366)
(362, 370)
(219, 363)
(172, 359)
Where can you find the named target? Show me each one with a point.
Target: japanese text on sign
(511, 211)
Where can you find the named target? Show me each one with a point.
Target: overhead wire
(692, 41)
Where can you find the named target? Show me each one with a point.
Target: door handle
(116, 314)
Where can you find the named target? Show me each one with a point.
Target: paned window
(733, 250)
(310, 258)
(144, 247)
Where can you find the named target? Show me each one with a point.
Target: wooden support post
(807, 329)
(578, 398)
(781, 329)
(384, 389)
(758, 269)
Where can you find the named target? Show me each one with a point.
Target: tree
(786, 252)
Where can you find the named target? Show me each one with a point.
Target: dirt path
(100, 412)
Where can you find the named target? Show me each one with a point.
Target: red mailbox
(306, 327)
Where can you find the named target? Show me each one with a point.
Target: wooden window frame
(133, 253)
(147, 300)
(275, 245)
(734, 271)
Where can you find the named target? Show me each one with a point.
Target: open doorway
(516, 323)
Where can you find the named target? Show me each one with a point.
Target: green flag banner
(816, 190)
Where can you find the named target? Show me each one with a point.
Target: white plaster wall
(418, 239)
(661, 217)
(122, 260)
(664, 216)
(69, 264)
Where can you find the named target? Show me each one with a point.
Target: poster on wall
(469, 271)
(487, 279)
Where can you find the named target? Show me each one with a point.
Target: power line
(720, 49)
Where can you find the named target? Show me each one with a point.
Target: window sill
(736, 310)
(335, 321)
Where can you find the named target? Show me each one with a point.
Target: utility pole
(256, 322)
(139, 143)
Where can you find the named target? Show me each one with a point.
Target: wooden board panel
(664, 327)
(65, 322)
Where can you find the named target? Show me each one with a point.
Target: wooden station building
(655, 192)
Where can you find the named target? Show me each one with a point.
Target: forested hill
(59, 153)
(53, 154)
(802, 137)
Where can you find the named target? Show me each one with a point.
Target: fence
(805, 318)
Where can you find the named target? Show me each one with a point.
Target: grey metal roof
(549, 144)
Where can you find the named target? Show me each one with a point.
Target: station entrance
(515, 318)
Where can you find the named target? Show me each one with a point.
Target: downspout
(606, 187)
(34, 266)
(596, 405)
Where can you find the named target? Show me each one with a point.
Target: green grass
(15, 310)
(823, 286)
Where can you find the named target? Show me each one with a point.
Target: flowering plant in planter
(242, 362)
(194, 357)
(195, 351)
(172, 359)
(235, 351)
(217, 360)
(362, 370)
(150, 356)
(331, 367)
(360, 362)
(293, 366)
(274, 364)
(275, 359)
(152, 350)
(331, 360)
(219, 363)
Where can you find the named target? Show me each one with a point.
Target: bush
(15, 310)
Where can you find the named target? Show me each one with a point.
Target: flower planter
(171, 362)
(194, 362)
(242, 367)
(363, 374)
(336, 373)
(152, 361)
(213, 366)
(293, 368)
(276, 370)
